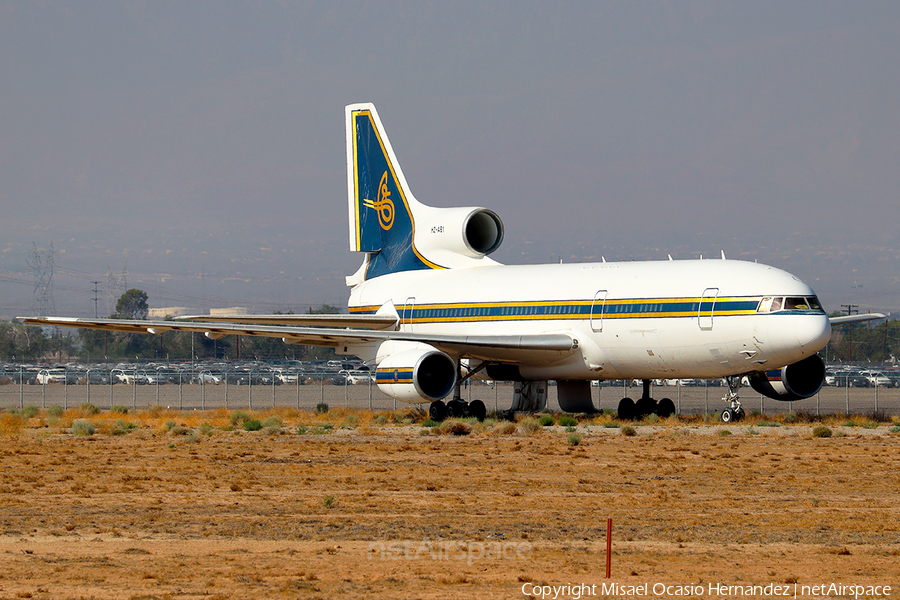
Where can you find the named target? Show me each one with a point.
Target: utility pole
(43, 263)
(96, 297)
(850, 309)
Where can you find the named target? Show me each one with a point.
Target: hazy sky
(200, 145)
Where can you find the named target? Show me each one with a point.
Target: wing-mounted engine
(417, 375)
(793, 382)
(454, 236)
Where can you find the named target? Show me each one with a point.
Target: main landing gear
(629, 409)
(458, 408)
(734, 412)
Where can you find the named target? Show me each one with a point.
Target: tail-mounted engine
(793, 382)
(416, 375)
(462, 232)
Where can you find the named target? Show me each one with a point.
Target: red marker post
(608, 547)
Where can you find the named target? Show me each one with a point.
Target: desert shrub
(122, 428)
(895, 429)
(168, 425)
(724, 432)
(768, 424)
(567, 421)
(321, 408)
(180, 430)
(239, 417)
(253, 425)
(206, 429)
(302, 430)
(455, 427)
(89, 408)
(530, 425)
(629, 431)
(428, 423)
(546, 420)
(652, 419)
(805, 416)
(611, 425)
(11, 424)
(821, 431)
(118, 408)
(82, 427)
(273, 421)
(382, 420)
(30, 411)
(329, 502)
(350, 421)
(506, 428)
(573, 439)
(55, 411)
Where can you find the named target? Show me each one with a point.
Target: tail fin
(382, 209)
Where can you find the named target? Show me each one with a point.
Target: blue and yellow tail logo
(383, 205)
(381, 208)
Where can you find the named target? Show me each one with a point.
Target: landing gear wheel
(437, 411)
(626, 409)
(477, 409)
(456, 409)
(665, 408)
(644, 407)
(735, 412)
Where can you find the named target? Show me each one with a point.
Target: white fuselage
(643, 320)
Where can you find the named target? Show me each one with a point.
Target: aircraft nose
(812, 331)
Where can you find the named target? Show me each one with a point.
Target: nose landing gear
(734, 412)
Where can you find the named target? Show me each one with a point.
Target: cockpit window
(794, 303)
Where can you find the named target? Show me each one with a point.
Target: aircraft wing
(855, 318)
(325, 320)
(533, 349)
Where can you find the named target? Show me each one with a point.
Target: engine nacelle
(416, 375)
(793, 382)
(470, 232)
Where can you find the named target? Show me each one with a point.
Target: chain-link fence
(259, 389)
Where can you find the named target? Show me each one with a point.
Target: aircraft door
(406, 320)
(707, 306)
(598, 307)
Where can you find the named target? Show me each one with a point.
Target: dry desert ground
(355, 504)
